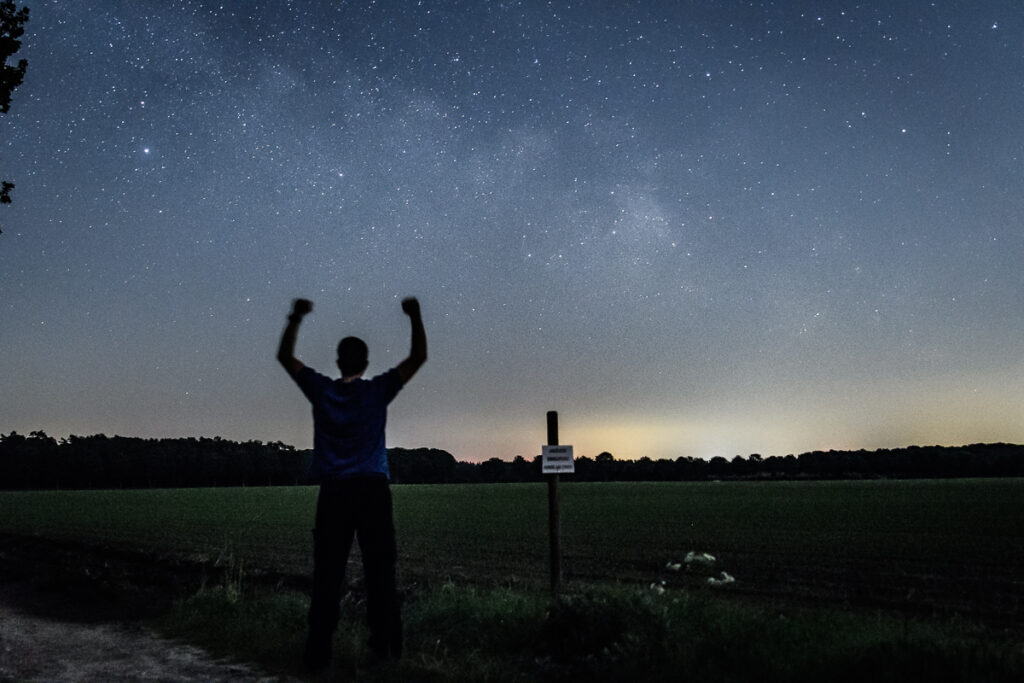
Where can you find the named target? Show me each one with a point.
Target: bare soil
(70, 614)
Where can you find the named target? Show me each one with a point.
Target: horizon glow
(691, 229)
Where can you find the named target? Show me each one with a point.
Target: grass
(267, 527)
(946, 546)
(835, 580)
(607, 633)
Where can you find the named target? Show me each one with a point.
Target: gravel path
(36, 648)
(73, 615)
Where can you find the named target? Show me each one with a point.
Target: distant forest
(39, 461)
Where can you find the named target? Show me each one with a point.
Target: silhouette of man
(350, 463)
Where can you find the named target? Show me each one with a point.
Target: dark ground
(73, 613)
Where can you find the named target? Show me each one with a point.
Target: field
(930, 547)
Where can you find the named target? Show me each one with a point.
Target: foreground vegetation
(464, 633)
(902, 580)
(937, 546)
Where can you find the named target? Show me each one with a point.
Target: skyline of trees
(39, 461)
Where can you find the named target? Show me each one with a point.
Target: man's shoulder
(308, 377)
(386, 377)
(307, 371)
(385, 385)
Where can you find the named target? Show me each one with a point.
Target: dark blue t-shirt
(348, 423)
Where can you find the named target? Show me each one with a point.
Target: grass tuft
(466, 619)
(268, 628)
(467, 633)
(604, 634)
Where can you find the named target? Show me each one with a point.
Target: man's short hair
(353, 356)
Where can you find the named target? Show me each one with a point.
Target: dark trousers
(359, 507)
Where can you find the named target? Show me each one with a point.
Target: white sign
(557, 460)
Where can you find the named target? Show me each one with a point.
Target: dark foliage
(38, 461)
(598, 627)
(421, 466)
(12, 27)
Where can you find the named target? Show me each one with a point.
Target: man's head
(353, 356)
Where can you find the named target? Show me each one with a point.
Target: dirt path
(37, 648)
(37, 645)
(74, 615)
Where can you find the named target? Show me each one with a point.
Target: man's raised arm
(286, 349)
(418, 353)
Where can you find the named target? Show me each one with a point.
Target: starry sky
(693, 228)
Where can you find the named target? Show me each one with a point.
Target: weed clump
(602, 634)
(460, 619)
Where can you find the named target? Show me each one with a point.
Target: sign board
(557, 460)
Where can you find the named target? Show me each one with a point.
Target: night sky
(692, 228)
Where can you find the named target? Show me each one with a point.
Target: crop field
(931, 547)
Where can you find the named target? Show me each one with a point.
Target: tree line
(12, 27)
(912, 462)
(39, 461)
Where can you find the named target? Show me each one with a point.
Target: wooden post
(554, 521)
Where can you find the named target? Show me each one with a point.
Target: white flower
(699, 558)
(724, 578)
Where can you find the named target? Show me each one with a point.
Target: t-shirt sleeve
(311, 382)
(386, 386)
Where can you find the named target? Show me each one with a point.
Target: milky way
(692, 228)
